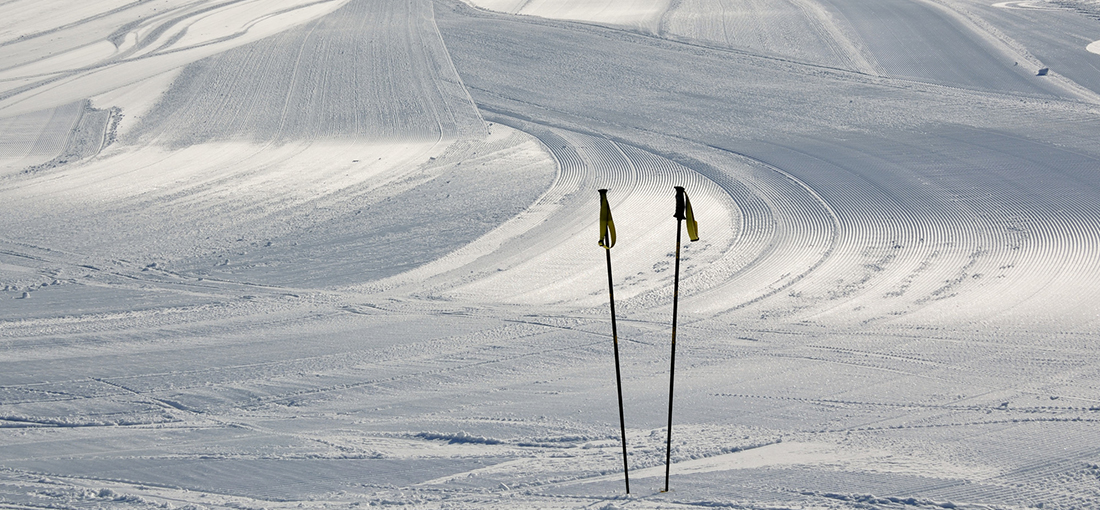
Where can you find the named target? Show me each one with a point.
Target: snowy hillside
(342, 253)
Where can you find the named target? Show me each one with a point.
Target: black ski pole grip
(680, 214)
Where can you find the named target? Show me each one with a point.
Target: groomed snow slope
(637, 14)
(333, 254)
(799, 29)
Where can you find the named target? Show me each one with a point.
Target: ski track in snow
(342, 253)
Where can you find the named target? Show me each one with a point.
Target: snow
(637, 14)
(1032, 4)
(184, 33)
(342, 253)
(796, 29)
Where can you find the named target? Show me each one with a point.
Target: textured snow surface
(342, 253)
(637, 14)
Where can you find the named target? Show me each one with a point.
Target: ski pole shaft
(618, 376)
(672, 366)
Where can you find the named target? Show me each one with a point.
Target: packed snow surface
(342, 253)
(638, 14)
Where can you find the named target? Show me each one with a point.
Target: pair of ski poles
(607, 240)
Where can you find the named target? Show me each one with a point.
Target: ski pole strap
(607, 225)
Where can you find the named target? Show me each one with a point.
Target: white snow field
(342, 253)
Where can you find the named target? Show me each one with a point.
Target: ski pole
(607, 240)
(683, 211)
